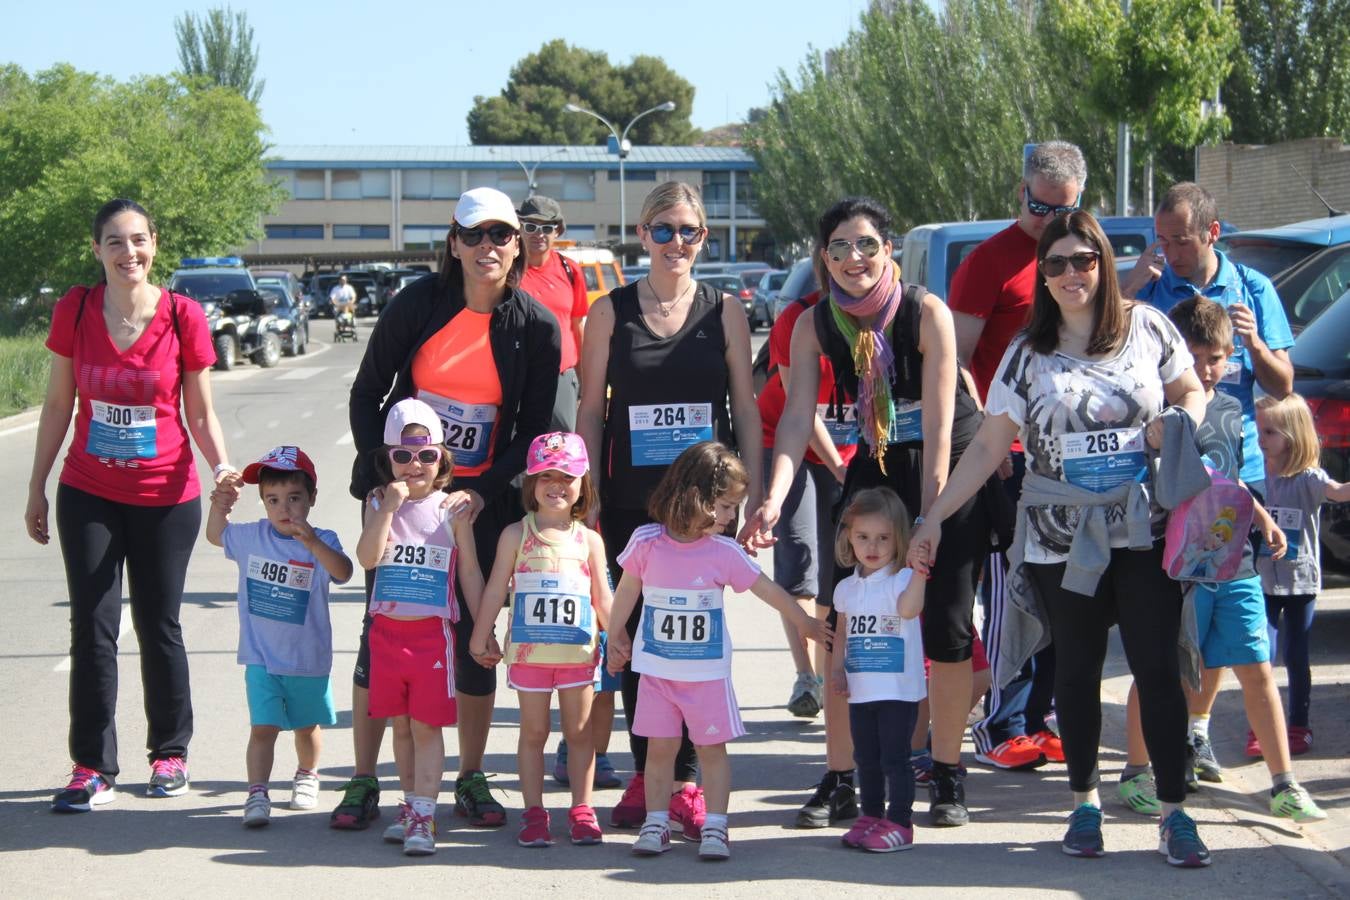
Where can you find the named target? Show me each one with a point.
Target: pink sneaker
(688, 812)
(584, 826)
(631, 811)
(854, 836)
(1300, 740)
(534, 828)
(1253, 746)
(887, 837)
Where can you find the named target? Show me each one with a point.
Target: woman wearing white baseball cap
(484, 355)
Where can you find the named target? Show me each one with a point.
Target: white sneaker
(257, 810)
(653, 840)
(421, 837)
(305, 792)
(714, 844)
(398, 829)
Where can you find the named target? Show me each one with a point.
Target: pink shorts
(545, 679)
(412, 670)
(979, 660)
(707, 708)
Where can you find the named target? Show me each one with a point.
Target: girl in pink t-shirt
(681, 566)
(418, 546)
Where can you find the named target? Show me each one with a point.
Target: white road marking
(29, 427)
(352, 373)
(122, 629)
(307, 413)
(341, 404)
(301, 374)
(345, 440)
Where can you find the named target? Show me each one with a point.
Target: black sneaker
(360, 804)
(1206, 766)
(1192, 779)
(473, 800)
(947, 800)
(168, 777)
(86, 790)
(834, 801)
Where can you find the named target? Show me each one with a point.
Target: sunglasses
(1041, 210)
(664, 234)
(533, 227)
(1054, 266)
(427, 456)
(500, 235)
(841, 249)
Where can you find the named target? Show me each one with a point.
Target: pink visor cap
(411, 411)
(561, 450)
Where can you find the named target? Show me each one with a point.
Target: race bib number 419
(551, 609)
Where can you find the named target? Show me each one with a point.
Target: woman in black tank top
(665, 364)
(894, 348)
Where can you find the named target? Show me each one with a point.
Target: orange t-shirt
(455, 374)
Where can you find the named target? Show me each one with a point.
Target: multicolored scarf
(873, 358)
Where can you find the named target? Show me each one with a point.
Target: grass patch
(24, 363)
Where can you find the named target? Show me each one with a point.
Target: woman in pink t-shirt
(123, 354)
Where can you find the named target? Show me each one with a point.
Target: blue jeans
(881, 732)
(1298, 617)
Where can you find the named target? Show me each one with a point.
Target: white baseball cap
(485, 204)
(411, 411)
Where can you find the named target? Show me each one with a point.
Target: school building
(367, 199)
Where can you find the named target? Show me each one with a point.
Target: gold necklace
(661, 307)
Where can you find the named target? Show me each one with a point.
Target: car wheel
(304, 342)
(291, 347)
(269, 353)
(225, 352)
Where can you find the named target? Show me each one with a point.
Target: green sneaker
(1293, 802)
(1140, 794)
(360, 804)
(473, 800)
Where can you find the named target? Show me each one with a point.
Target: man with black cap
(559, 286)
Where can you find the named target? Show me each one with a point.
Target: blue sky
(342, 72)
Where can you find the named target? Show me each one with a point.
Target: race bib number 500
(121, 432)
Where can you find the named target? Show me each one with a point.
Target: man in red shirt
(990, 300)
(559, 286)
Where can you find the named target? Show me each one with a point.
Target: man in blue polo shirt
(1179, 265)
(1183, 263)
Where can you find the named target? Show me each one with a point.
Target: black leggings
(881, 732)
(98, 537)
(616, 527)
(1135, 593)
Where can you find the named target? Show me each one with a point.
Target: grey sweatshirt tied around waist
(1177, 474)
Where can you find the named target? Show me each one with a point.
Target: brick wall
(1256, 188)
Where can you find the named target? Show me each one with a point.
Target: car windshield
(776, 280)
(1322, 345)
(1269, 257)
(209, 285)
(800, 281)
(1128, 244)
(957, 251)
(272, 290)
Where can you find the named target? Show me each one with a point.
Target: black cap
(539, 208)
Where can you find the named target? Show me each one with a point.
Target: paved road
(194, 844)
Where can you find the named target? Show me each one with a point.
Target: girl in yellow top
(554, 568)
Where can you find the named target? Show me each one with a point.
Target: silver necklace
(661, 307)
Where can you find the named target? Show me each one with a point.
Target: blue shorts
(603, 680)
(1230, 621)
(288, 702)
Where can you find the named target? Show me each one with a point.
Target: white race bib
(121, 432)
(659, 433)
(1102, 460)
(468, 426)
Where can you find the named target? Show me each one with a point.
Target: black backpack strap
(905, 330)
(567, 267)
(79, 312)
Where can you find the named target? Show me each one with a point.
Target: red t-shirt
(995, 283)
(773, 397)
(564, 297)
(130, 444)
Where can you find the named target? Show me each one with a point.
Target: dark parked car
(391, 282)
(292, 320)
(1321, 357)
(367, 292)
(729, 283)
(1308, 262)
(320, 283)
(749, 279)
(801, 280)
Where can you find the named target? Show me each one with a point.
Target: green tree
(73, 140)
(1292, 76)
(219, 48)
(529, 109)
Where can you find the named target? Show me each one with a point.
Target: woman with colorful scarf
(893, 347)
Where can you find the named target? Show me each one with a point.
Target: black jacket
(526, 347)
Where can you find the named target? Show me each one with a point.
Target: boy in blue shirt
(285, 637)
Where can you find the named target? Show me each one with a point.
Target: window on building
(360, 184)
(717, 194)
(431, 184)
(361, 232)
(293, 232)
(745, 197)
(423, 237)
(632, 174)
(301, 184)
(579, 232)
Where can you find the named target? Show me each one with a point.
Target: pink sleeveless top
(415, 578)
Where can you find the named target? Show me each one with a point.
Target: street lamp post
(530, 185)
(624, 148)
